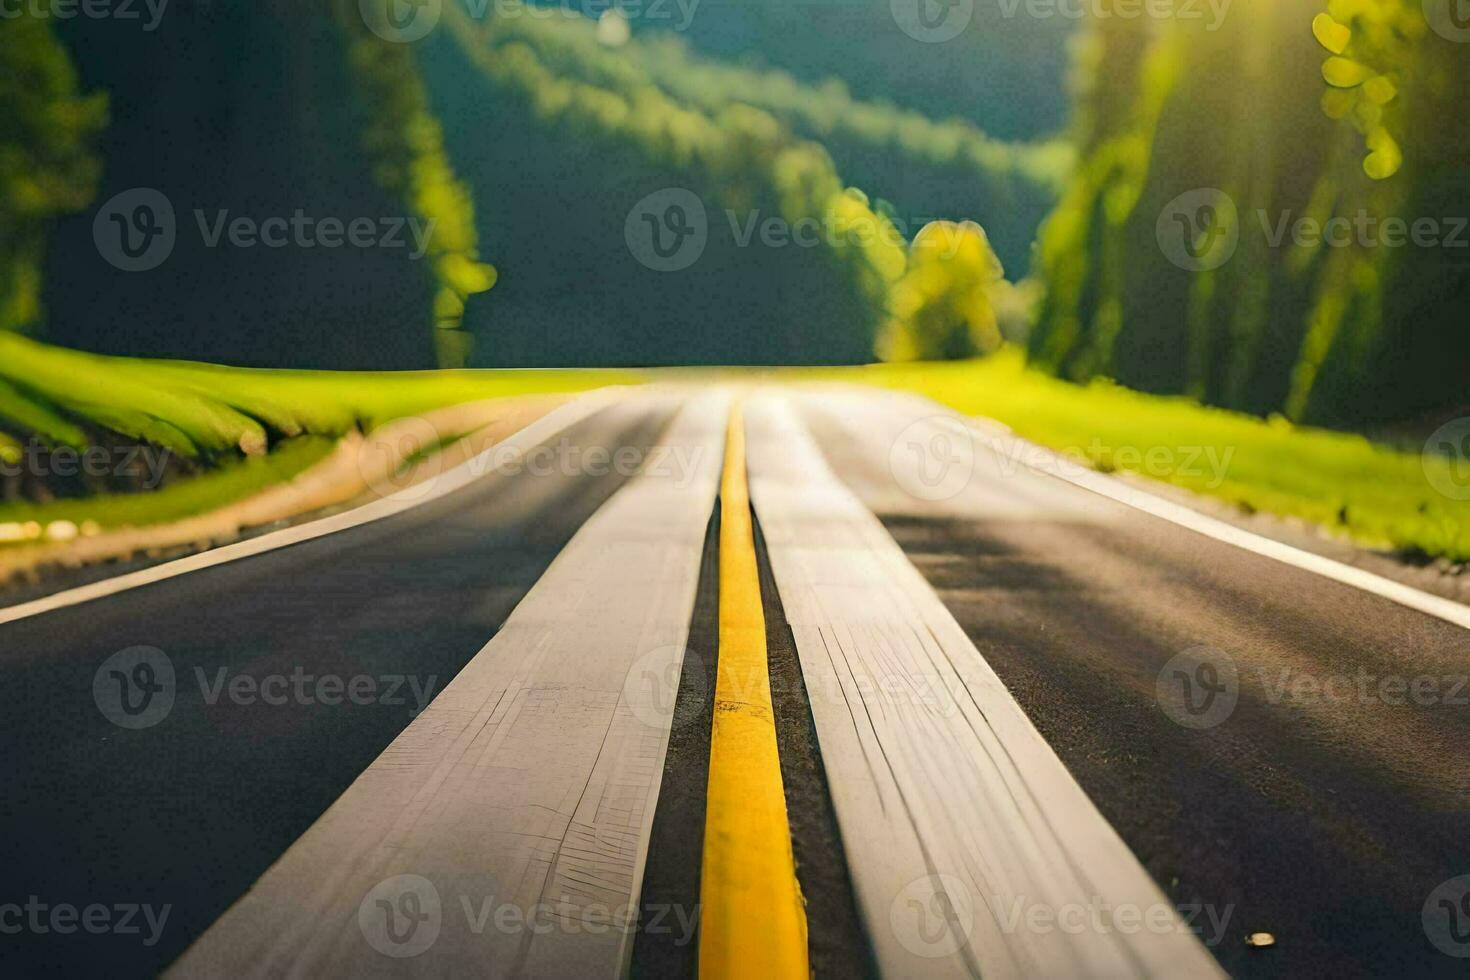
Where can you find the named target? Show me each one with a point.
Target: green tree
(943, 306)
(405, 143)
(48, 160)
(1343, 332)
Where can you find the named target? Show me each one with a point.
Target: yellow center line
(753, 920)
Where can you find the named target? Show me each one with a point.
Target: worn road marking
(973, 850)
(753, 923)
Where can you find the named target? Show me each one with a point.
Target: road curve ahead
(1021, 728)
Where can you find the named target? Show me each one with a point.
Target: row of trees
(998, 65)
(49, 163)
(1227, 140)
(251, 111)
(917, 168)
(530, 146)
(585, 150)
(405, 143)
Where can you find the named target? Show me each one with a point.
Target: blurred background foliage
(1279, 120)
(1042, 147)
(48, 160)
(405, 144)
(922, 168)
(943, 307)
(586, 148)
(1003, 72)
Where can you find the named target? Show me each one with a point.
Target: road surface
(567, 718)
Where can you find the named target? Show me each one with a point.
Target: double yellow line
(753, 920)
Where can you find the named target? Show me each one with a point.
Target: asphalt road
(189, 812)
(1324, 807)
(1280, 752)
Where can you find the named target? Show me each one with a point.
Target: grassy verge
(199, 409)
(257, 428)
(249, 428)
(230, 482)
(1379, 496)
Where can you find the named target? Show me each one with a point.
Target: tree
(48, 160)
(943, 307)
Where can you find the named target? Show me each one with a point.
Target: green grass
(201, 409)
(1379, 496)
(233, 481)
(250, 428)
(254, 428)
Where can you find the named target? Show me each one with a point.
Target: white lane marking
(1114, 489)
(548, 425)
(1013, 450)
(973, 850)
(505, 831)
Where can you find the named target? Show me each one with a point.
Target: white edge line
(472, 469)
(1076, 473)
